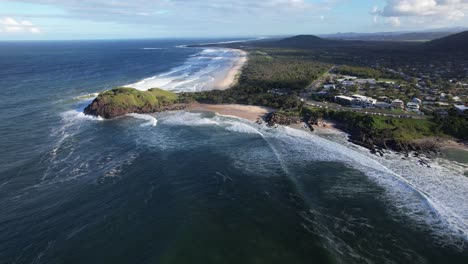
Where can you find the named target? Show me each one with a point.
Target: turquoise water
(186, 187)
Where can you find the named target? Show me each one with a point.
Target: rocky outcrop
(99, 108)
(121, 101)
(276, 118)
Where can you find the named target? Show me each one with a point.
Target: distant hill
(308, 42)
(426, 35)
(311, 42)
(457, 43)
(305, 39)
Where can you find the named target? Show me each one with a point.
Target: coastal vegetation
(122, 100)
(387, 132)
(272, 77)
(365, 72)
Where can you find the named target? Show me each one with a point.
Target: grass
(123, 97)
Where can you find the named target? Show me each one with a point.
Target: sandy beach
(232, 74)
(249, 112)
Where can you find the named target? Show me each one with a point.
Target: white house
(462, 109)
(398, 104)
(411, 106)
(417, 101)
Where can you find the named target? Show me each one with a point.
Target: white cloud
(425, 11)
(10, 25)
(441, 8)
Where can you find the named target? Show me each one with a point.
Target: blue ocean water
(195, 187)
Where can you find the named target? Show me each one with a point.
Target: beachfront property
(364, 81)
(344, 100)
(461, 109)
(417, 101)
(383, 105)
(413, 107)
(398, 104)
(356, 100)
(329, 87)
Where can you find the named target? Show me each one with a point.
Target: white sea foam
(200, 72)
(434, 198)
(153, 48)
(241, 128)
(86, 96)
(187, 119)
(76, 115)
(152, 121)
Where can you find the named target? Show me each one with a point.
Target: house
(383, 105)
(411, 106)
(347, 83)
(442, 104)
(329, 86)
(417, 101)
(364, 81)
(384, 99)
(398, 104)
(461, 109)
(363, 101)
(344, 100)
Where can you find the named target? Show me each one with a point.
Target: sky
(127, 19)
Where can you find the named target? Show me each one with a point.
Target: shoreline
(231, 77)
(248, 112)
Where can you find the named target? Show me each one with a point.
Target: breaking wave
(433, 198)
(201, 72)
(152, 121)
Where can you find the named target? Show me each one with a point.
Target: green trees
(272, 77)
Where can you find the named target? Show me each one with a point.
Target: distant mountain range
(454, 44)
(426, 35)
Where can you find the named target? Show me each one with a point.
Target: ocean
(196, 187)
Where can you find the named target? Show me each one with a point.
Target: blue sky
(111, 19)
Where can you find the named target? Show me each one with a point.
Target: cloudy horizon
(101, 19)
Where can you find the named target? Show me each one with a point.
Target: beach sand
(249, 112)
(232, 74)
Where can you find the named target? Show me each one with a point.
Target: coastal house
(461, 109)
(398, 104)
(417, 101)
(383, 105)
(329, 87)
(347, 83)
(364, 81)
(384, 99)
(363, 101)
(413, 107)
(344, 100)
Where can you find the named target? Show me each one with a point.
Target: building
(384, 99)
(383, 105)
(356, 100)
(329, 86)
(398, 104)
(417, 101)
(347, 83)
(461, 109)
(364, 81)
(344, 100)
(411, 106)
(363, 101)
